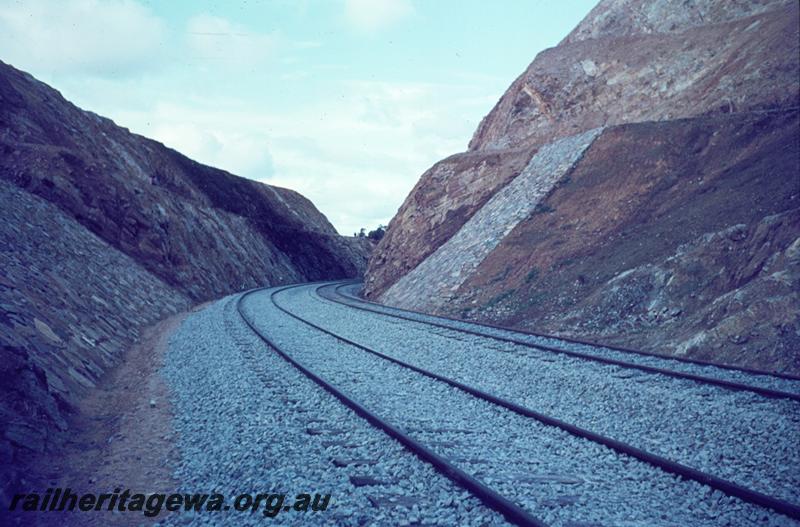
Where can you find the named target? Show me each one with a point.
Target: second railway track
(741, 379)
(542, 454)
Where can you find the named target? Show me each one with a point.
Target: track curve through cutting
(725, 486)
(512, 512)
(481, 330)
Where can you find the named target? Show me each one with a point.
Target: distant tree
(377, 234)
(362, 232)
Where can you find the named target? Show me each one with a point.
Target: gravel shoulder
(202, 405)
(120, 439)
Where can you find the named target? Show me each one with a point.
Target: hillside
(638, 184)
(105, 232)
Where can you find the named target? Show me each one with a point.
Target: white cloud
(308, 44)
(241, 151)
(354, 147)
(112, 38)
(373, 15)
(226, 44)
(356, 156)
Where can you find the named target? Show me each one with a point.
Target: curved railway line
(339, 287)
(512, 512)
(489, 331)
(493, 498)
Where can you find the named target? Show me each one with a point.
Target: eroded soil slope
(672, 229)
(679, 236)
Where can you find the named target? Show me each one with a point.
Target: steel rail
(495, 501)
(731, 385)
(728, 487)
(572, 340)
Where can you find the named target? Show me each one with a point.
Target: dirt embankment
(121, 438)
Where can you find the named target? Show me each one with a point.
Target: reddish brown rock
(447, 195)
(659, 226)
(644, 60)
(697, 103)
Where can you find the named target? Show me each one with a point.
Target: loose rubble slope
(675, 230)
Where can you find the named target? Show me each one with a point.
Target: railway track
(512, 512)
(492, 498)
(715, 373)
(681, 419)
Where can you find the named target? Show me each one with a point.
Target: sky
(346, 101)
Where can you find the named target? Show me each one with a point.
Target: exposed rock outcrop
(105, 231)
(434, 281)
(693, 107)
(645, 60)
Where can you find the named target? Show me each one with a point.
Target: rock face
(105, 231)
(639, 184)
